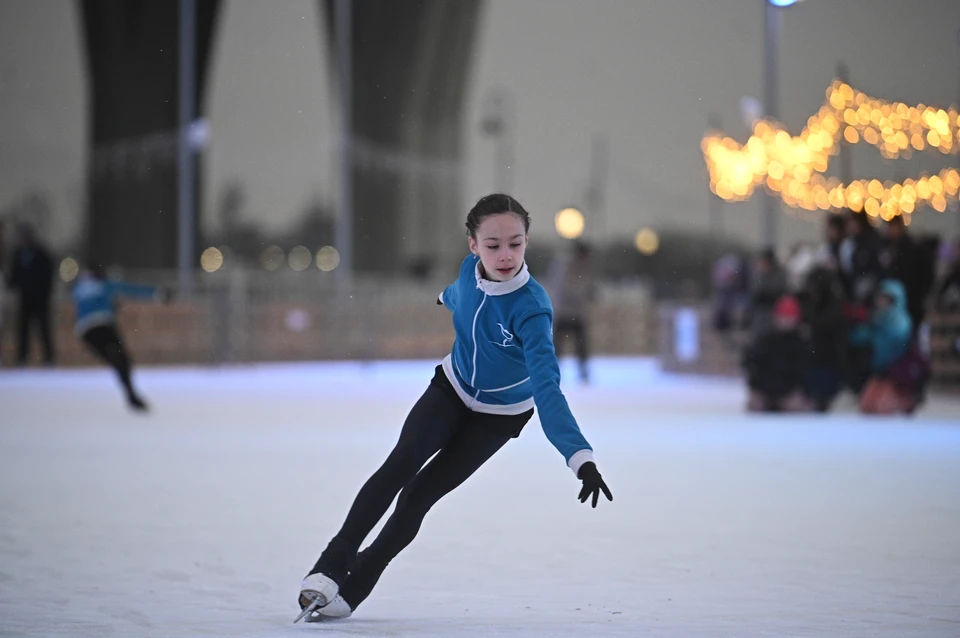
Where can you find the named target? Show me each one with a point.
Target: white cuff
(441, 298)
(578, 459)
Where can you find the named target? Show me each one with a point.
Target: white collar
(495, 288)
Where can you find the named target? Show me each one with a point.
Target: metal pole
(846, 157)
(714, 203)
(186, 191)
(771, 51)
(343, 25)
(596, 190)
(504, 114)
(957, 141)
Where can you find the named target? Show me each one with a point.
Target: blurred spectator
(730, 283)
(768, 284)
(948, 292)
(777, 364)
(859, 258)
(572, 291)
(898, 371)
(823, 315)
(802, 260)
(31, 275)
(835, 233)
(909, 263)
(889, 328)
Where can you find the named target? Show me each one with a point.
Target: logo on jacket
(507, 338)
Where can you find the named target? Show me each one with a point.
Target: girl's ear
(473, 246)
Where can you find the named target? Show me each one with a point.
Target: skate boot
(317, 590)
(322, 584)
(338, 609)
(136, 403)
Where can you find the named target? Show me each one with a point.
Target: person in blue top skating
(502, 364)
(94, 298)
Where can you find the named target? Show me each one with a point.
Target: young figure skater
(94, 296)
(502, 364)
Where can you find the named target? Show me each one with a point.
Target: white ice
(201, 518)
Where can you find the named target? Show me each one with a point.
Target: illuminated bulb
(299, 258)
(570, 222)
(936, 185)
(212, 259)
(271, 257)
(775, 170)
(647, 241)
(328, 258)
(69, 269)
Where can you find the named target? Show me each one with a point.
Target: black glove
(592, 483)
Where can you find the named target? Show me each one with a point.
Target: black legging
(36, 312)
(105, 342)
(440, 424)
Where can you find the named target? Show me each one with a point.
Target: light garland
(793, 167)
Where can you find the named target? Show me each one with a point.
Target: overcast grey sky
(643, 74)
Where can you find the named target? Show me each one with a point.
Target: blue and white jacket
(95, 300)
(503, 360)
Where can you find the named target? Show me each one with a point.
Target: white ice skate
(316, 591)
(338, 609)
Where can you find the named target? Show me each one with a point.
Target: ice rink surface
(200, 518)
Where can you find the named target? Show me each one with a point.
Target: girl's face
(500, 244)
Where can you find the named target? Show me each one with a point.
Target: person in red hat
(776, 364)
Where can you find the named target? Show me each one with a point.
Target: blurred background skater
(31, 276)
(572, 290)
(95, 298)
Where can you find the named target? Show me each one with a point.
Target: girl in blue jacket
(483, 393)
(94, 298)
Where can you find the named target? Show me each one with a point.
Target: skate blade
(316, 602)
(318, 617)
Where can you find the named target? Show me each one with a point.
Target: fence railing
(251, 316)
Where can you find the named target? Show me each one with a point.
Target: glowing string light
(793, 167)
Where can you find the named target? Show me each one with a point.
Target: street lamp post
(957, 141)
(772, 24)
(499, 122)
(343, 231)
(186, 193)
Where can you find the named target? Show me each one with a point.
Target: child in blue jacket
(94, 298)
(483, 393)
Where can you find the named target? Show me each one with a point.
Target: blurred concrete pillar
(132, 61)
(410, 67)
